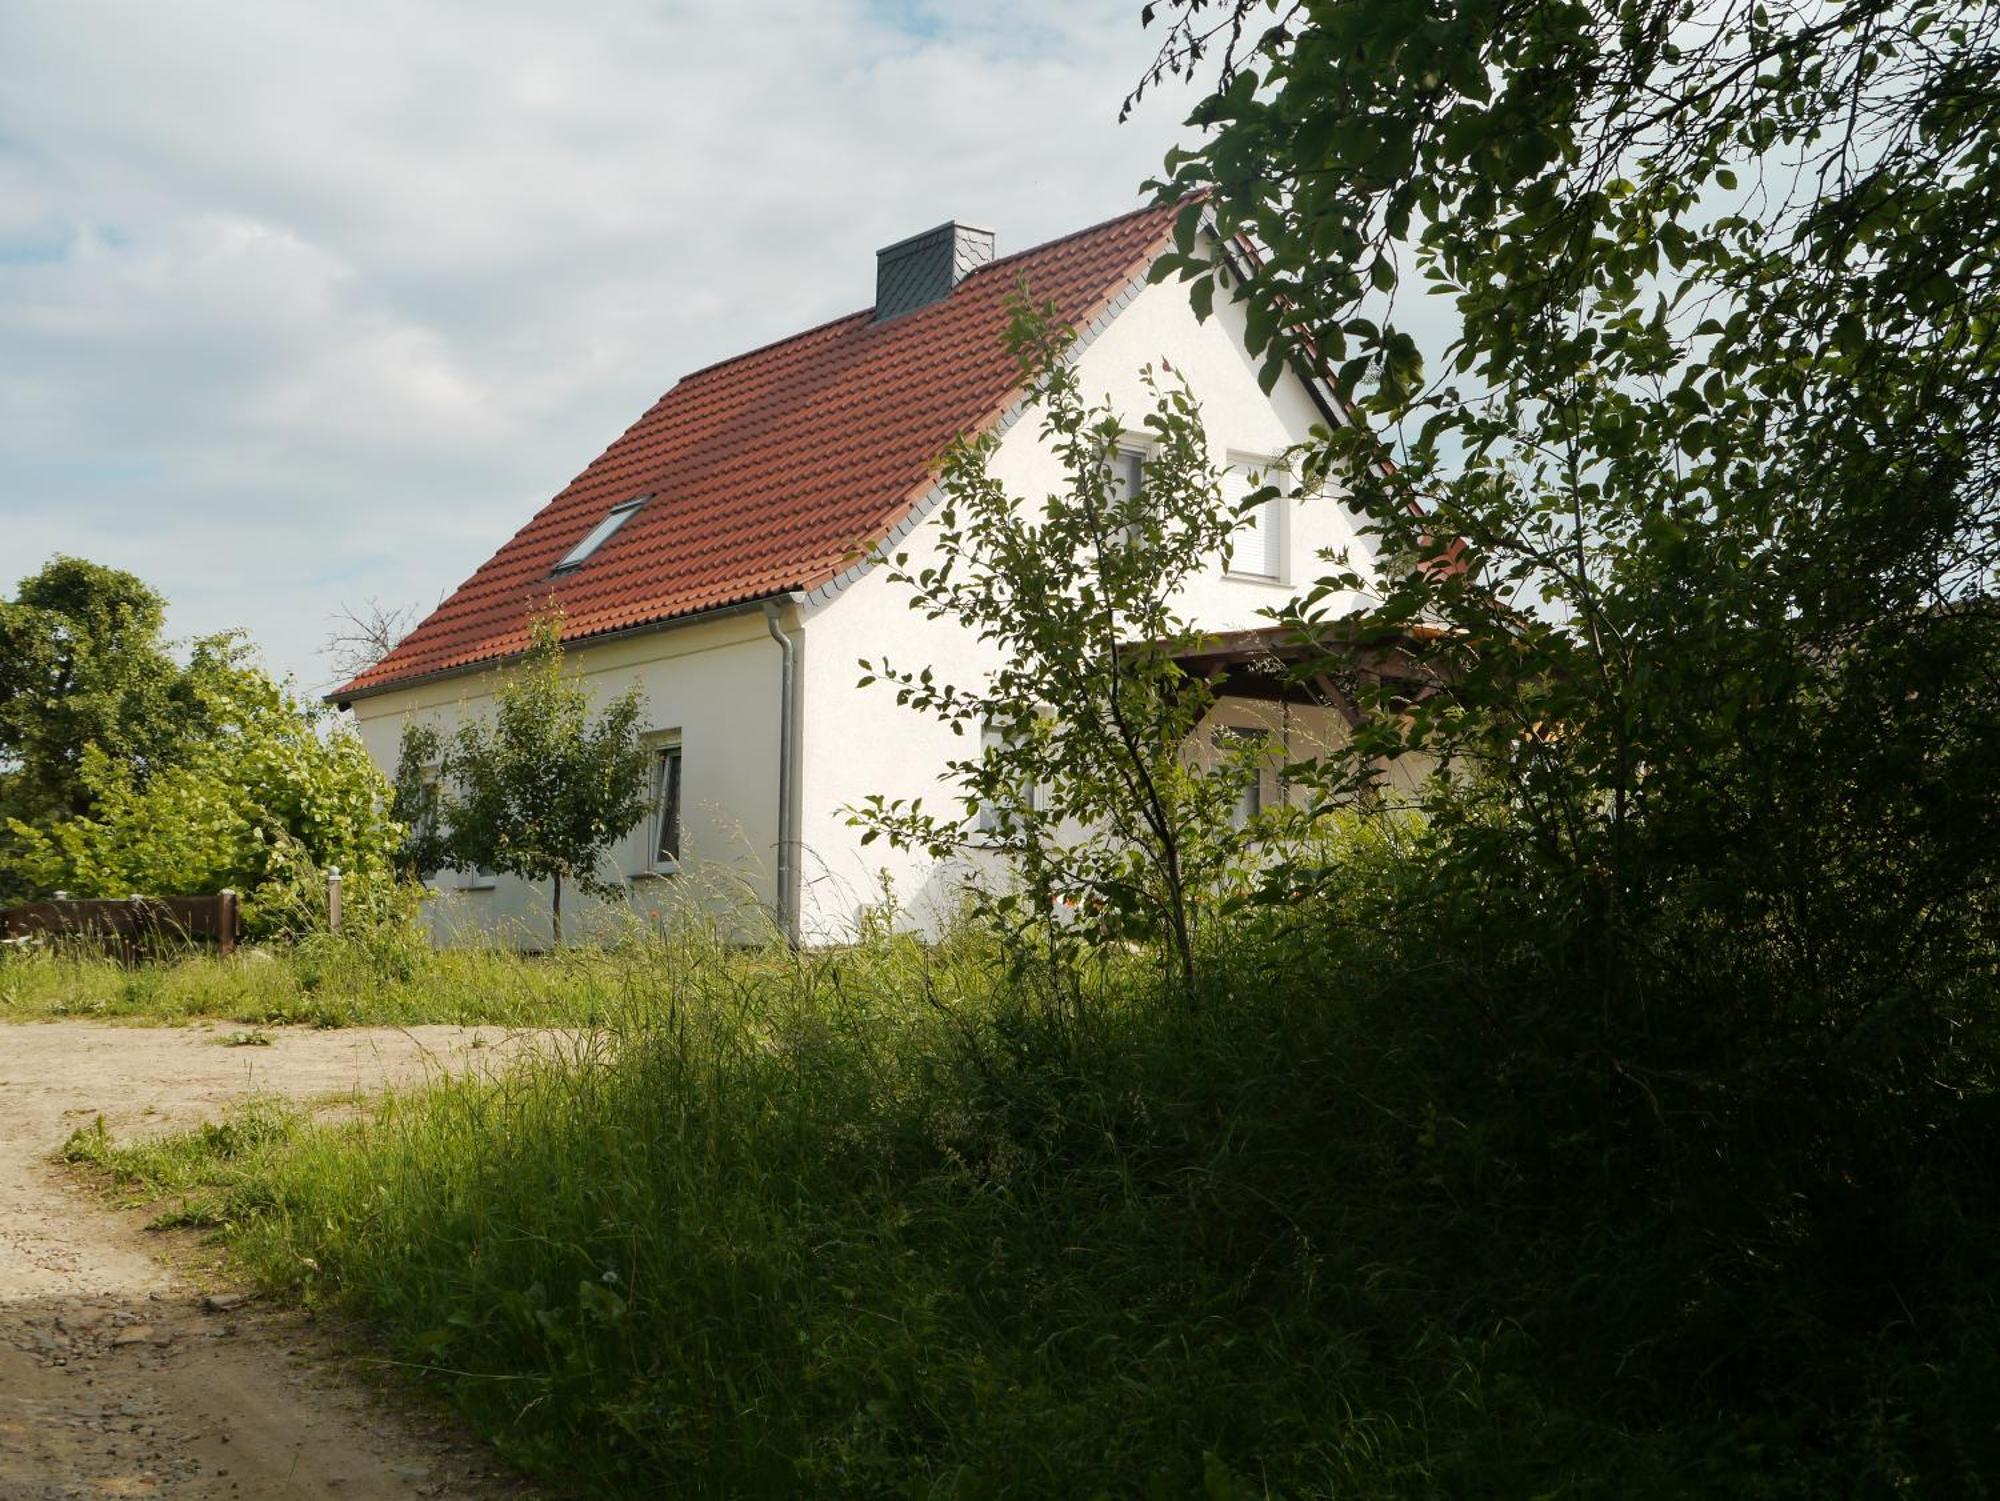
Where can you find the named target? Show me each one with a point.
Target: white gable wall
(857, 742)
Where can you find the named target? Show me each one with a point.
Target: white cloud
(302, 304)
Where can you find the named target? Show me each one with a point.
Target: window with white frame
(429, 818)
(665, 854)
(1128, 483)
(429, 825)
(1257, 550)
(992, 812)
(990, 740)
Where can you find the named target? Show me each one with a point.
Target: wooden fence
(134, 925)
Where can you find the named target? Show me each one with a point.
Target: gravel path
(118, 1375)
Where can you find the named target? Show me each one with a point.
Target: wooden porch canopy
(1333, 670)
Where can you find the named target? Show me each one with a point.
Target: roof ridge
(1074, 234)
(1012, 255)
(767, 346)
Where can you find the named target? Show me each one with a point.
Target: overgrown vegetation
(125, 770)
(874, 1222)
(389, 978)
(1619, 1122)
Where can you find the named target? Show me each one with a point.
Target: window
(990, 739)
(1128, 473)
(1235, 743)
(1257, 550)
(666, 853)
(1128, 484)
(429, 822)
(429, 827)
(599, 534)
(992, 813)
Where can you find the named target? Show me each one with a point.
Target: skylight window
(599, 534)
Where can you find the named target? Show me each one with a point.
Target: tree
(123, 769)
(1079, 775)
(362, 637)
(540, 790)
(1699, 488)
(268, 785)
(83, 663)
(1708, 491)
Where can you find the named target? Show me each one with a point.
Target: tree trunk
(556, 912)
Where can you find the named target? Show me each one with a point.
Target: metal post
(333, 899)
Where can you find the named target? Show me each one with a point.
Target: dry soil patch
(117, 1377)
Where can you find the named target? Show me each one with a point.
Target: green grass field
(387, 979)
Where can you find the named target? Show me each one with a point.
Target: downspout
(788, 750)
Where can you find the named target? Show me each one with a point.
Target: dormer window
(599, 534)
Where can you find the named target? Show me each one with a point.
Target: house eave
(345, 698)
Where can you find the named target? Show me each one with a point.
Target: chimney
(915, 272)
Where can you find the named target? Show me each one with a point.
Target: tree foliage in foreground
(1706, 484)
(541, 789)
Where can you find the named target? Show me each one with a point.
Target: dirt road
(117, 1377)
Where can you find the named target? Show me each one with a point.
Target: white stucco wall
(715, 685)
(857, 742)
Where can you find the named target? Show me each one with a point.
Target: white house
(709, 556)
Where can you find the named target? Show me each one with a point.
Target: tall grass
(876, 1223)
(859, 1226)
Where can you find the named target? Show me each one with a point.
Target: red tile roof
(770, 472)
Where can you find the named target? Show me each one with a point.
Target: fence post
(225, 921)
(333, 899)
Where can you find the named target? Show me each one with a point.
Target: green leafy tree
(541, 790)
(271, 784)
(83, 663)
(1079, 774)
(1699, 480)
(1704, 481)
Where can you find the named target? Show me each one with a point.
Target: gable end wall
(858, 741)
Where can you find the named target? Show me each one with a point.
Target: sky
(304, 306)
